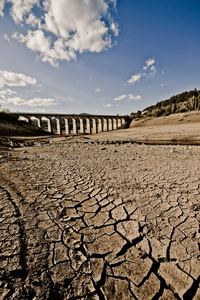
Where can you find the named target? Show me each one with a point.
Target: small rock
(103, 148)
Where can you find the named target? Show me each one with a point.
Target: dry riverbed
(93, 218)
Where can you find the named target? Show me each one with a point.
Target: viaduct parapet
(73, 124)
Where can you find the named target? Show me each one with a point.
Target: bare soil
(101, 216)
(173, 129)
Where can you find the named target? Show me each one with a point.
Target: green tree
(192, 103)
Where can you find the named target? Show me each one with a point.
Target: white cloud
(149, 62)
(33, 20)
(114, 28)
(128, 97)
(7, 92)
(9, 96)
(32, 102)
(75, 27)
(14, 100)
(2, 4)
(150, 69)
(134, 78)
(20, 80)
(137, 97)
(20, 8)
(70, 99)
(36, 41)
(107, 105)
(15, 79)
(119, 98)
(42, 102)
(114, 2)
(162, 84)
(6, 37)
(97, 90)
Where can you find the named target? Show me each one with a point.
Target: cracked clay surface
(79, 220)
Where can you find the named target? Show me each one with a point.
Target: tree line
(186, 101)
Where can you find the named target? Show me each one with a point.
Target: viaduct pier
(73, 124)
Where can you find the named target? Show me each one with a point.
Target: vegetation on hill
(186, 101)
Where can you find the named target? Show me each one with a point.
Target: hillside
(184, 102)
(9, 126)
(176, 119)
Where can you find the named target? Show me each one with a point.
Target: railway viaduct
(73, 124)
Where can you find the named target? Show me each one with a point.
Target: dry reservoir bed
(81, 220)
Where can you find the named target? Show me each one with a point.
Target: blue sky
(97, 56)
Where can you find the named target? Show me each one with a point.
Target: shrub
(157, 112)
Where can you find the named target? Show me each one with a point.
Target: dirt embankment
(171, 120)
(10, 126)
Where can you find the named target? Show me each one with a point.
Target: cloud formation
(134, 78)
(7, 92)
(42, 102)
(149, 69)
(15, 79)
(128, 97)
(7, 97)
(70, 99)
(65, 27)
(149, 62)
(97, 90)
(108, 105)
(2, 4)
(6, 37)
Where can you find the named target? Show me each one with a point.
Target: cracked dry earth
(82, 221)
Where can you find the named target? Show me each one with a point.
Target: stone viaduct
(73, 124)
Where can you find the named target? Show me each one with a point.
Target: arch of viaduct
(74, 124)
